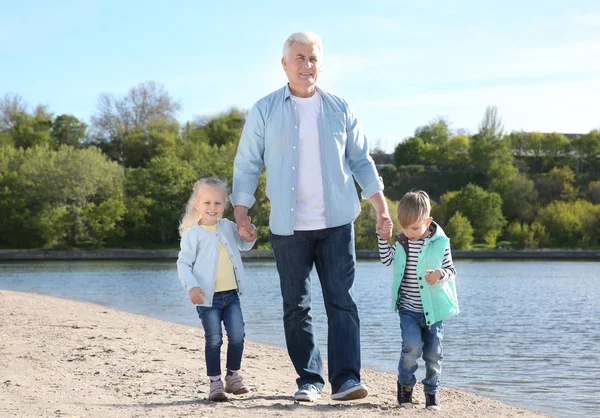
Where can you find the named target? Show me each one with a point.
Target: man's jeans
(419, 339)
(225, 308)
(332, 252)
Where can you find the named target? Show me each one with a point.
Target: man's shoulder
(278, 94)
(336, 102)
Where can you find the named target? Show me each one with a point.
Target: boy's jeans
(419, 339)
(225, 308)
(331, 251)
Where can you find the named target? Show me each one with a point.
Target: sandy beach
(60, 358)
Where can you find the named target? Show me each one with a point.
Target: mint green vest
(440, 301)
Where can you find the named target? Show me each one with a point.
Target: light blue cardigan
(199, 256)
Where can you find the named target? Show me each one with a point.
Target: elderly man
(312, 147)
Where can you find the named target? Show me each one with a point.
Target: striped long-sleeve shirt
(410, 298)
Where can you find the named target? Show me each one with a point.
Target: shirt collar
(287, 94)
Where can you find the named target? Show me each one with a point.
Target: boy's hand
(433, 276)
(384, 225)
(197, 296)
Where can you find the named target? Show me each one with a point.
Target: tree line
(123, 180)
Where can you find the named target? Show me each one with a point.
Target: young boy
(423, 292)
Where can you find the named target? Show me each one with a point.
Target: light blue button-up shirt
(270, 139)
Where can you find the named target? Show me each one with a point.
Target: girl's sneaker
(235, 384)
(217, 393)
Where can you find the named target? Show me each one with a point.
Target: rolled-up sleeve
(249, 159)
(360, 162)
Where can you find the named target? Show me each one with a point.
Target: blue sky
(398, 63)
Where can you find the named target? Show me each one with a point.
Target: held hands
(197, 296)
(433, 276)
(384, 225)
(245, 229)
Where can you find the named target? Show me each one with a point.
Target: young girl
(210, 268)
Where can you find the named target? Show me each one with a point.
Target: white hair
(191, 215)
(306, 38)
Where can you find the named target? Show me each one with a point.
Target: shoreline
(66, 358)
(130, 254)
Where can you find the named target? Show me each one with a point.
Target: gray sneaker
(351, 389)
(235, 384)
(217, 394)
(307, 393)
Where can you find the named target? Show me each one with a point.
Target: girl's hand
(433, 276)
(248, 235)
(197, 296)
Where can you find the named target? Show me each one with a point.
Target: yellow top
(225, 275)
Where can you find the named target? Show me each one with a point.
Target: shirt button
(296, 127)
(294, 147)
(292, 209)
(293, 168)
(292, 188)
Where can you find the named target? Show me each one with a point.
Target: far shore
(139, 254)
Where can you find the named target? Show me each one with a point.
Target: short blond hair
(413, 207)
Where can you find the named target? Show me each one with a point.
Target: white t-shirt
(310, 200)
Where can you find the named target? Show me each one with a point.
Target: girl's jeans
(419, 339)
(225, 308)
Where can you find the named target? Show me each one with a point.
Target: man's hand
(433, 276)
(244, 225)
(384, 225)
(197, 296)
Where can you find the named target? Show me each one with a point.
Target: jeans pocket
(200, 310)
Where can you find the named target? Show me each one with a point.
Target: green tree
(555, 149)
(559, 183)
(159, 139)
(519, 199)
(534, 147)
(29, 131)
(483, 209)
(115, 118)
(586, 149)
(488, 144)
(157, 195)
(571, 224)
(409, 152)
(594, 191)
(11, 105)
(518, 143)
(460, 231)
(524, 236)
(51, 191)
(457, 152)
(430, 145)
(223, 129)
(68, 130)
